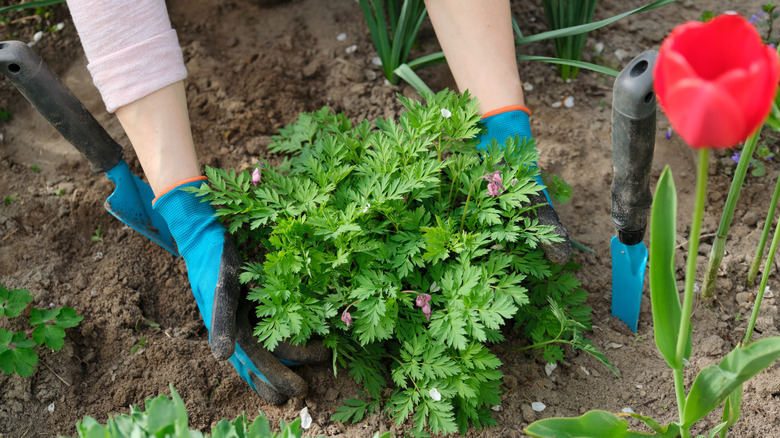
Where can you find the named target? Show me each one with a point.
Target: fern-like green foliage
(347, 239)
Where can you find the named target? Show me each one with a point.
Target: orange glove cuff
(507, 109)
(174, 185)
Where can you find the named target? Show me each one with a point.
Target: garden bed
(253, 69)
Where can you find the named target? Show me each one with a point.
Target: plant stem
(719, 244)
(690, 277)
(679, 391)
(466, 205)
(764, 235)
(762, 287)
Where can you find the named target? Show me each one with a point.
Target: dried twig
(58, 376)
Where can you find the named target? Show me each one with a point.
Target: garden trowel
(131, 201)
(633, 141)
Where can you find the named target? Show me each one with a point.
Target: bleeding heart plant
(716, 82)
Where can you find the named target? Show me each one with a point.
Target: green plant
(8, 200)
(394, 25)
(35, 4)
(562, 14)
(166, 417)
(47, 328)
(406, 252)
(35, 168)
(138, 345)
(5, 115)
(407, 71)
(97, 236)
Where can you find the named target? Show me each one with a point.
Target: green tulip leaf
(715, 383)
(594, 424)
(731, 409)
(664, 296)
(671, 430)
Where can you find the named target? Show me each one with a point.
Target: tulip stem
(719, 244)
(770, 215)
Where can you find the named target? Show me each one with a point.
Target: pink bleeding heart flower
(427, 311)
(422, 299)
(347, 318)
(256, 176)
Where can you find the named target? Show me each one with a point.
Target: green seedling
(17, 353)
(8, 200)
(138, 345)
(60, 192)
(98, 235)
(35, 168)
(5, 115)
(168, 417)
(407, 252)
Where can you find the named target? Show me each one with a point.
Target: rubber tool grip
(47, 94)
(633, 142)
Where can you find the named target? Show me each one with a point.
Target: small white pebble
(569, 80)
(538, 406)
(387, 83)
(497, 408)
(50, 408)
(351, 49)
(446, 113)
(696, 288)
(614, 345)
(38, 35)
(435, 395)
(628, 410)
(549, 368)
(585, 370)
(305, 418)
(598, 48)
(341, 37)
(98, 256)
(376, 60)
(568, 102)
(639, 386)
(557, 104)
(527, 86)
(1, 137)
(60, 26)
(621, 54)
(51, 304)
(767, 292)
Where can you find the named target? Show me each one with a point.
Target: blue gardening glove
(213, 263)
(505, 123)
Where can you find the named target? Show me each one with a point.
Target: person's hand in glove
(511, 121)
(213, 263)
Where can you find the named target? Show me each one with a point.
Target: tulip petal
(714, 121)
(747, 88)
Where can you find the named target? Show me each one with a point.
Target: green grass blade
(579, 64)
(427, 61)
(406, 73)
(30, 5)
(573, 30)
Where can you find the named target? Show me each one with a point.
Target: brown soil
(252, 69)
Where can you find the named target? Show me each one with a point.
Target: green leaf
(353, 410)
(731, 409)
(715, 383)
(51, 335)
(13, 302)
(664, 296)
(30, 5)
(15, 354)
(594, 424)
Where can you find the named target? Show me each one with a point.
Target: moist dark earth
(253, 68)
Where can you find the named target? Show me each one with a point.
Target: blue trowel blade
(628, 278)
(131, 203)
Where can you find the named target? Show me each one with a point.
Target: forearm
(477, 39)
(158, 126)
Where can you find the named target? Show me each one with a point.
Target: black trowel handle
(47, 94)
(633, 141)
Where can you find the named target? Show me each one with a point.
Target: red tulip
(716, 81)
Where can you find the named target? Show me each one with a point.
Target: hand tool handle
(633, 141)
(47, 94)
